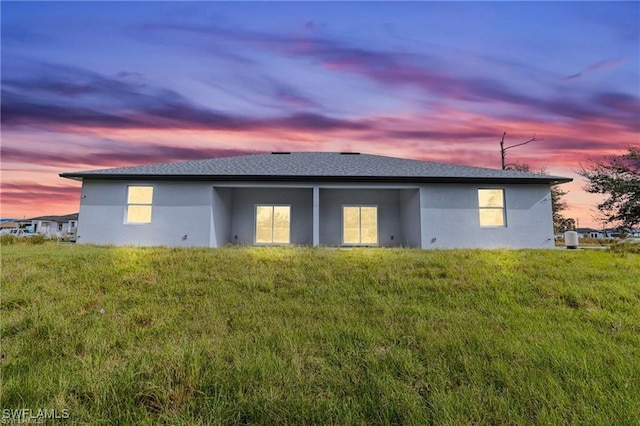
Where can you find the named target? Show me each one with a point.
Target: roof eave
(276, 178)
(72, 176)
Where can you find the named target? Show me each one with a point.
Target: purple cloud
(393, 69)
(115, 153)
(76, 97)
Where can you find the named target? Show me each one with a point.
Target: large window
(491, 206)
(139, 199)
(273, 224)
(360, 225)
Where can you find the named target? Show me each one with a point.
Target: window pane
(491, 217)
(351, 225)
(490, 198)
(139, 214)
(264, 223)
(281, 224)
(369, 225)
(140, 195)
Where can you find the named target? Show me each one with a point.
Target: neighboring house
(584, 232)
(315, 199)
(7, 226)
(609, 232)
(17, 232)
(51, 226)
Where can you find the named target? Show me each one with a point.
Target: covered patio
(317, 215)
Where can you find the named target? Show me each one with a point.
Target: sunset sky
(97, 85)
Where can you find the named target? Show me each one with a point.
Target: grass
(320, 336)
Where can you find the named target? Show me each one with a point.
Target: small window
(139, 199)
(360, 225)
(491, 207)
(273, 224)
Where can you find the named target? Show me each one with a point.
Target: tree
(558, 205)
(618, 178)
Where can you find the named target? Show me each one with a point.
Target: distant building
(6, 225)
(607, 232)
(50, 226)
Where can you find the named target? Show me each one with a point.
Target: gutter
(335, 179)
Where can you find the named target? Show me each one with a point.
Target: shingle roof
(314, 166)
(59, 219)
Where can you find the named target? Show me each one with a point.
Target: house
(584, 232)
(51, 226)
(609, 232)
(7, 226)
(315, 199)
(590, 233)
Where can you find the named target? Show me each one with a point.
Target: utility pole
(503, 150)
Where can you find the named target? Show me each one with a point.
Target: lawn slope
(320, 336)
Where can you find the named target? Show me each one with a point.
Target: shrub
(6, 240)
(625, 247)
(37, 239)
(588, 241)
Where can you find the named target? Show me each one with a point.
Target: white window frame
(503, 208)
(360, 244)
(127, 204)
(255, 224)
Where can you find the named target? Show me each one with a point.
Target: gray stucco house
(316, 199)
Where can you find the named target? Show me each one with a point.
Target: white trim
(503, 208)
(255, 224)
(315, 211)
(127, 204)
(342, 243)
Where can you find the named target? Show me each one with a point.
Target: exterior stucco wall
(213, 214)
(410, 217)
(221, 217)
(450, 217)
(243, 210)
(179, 209)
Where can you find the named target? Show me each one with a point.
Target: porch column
(424, 237)
(316, 216)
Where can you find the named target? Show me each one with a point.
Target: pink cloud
(445, 134)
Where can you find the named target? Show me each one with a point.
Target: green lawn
(320, 336)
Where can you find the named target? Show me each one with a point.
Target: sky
(90, 85)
